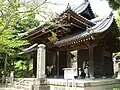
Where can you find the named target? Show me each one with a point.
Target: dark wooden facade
(93, 38)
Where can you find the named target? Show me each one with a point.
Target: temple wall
(98, 61)
(108, 63)
(103, 65)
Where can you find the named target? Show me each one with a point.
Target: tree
(15, 17)
(118, 19)
(114, 4)
(11, 44)
(13, 11)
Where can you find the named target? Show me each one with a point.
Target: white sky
(100, 7)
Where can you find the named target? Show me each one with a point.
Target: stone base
(40, 84)
(97, 84)
(118, 76)
(42, 87)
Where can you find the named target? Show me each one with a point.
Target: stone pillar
(41, 61)
(39, 83)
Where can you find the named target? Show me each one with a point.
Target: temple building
(94, 39)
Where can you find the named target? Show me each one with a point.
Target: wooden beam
(78, 46)
(68, 59)
(79, 21)
(78, 26)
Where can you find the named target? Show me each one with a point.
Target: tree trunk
(5, 66)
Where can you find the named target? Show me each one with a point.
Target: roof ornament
(111, 13)
(68, 6)
(86, 1)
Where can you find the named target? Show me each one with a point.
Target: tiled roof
(100, 27)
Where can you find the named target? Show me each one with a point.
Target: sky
(100, 7)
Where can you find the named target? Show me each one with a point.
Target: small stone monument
(11, 78)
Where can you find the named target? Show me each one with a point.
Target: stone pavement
(9, 88)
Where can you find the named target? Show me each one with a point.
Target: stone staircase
(24, 84)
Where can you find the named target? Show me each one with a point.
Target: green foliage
(21, 69)
(114, 4)
(15, 18)
(8, 43)
(15, 12)
(118, 19)
(25, 24)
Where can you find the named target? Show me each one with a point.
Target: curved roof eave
(81, 8)
(103, 25)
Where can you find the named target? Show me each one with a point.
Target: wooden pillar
(111, 64)
(41, 54)
(103, 64)
(91, 61)
(57, 63)
(27, 65)
(34, 56)
(62, 62)
(68, 59)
